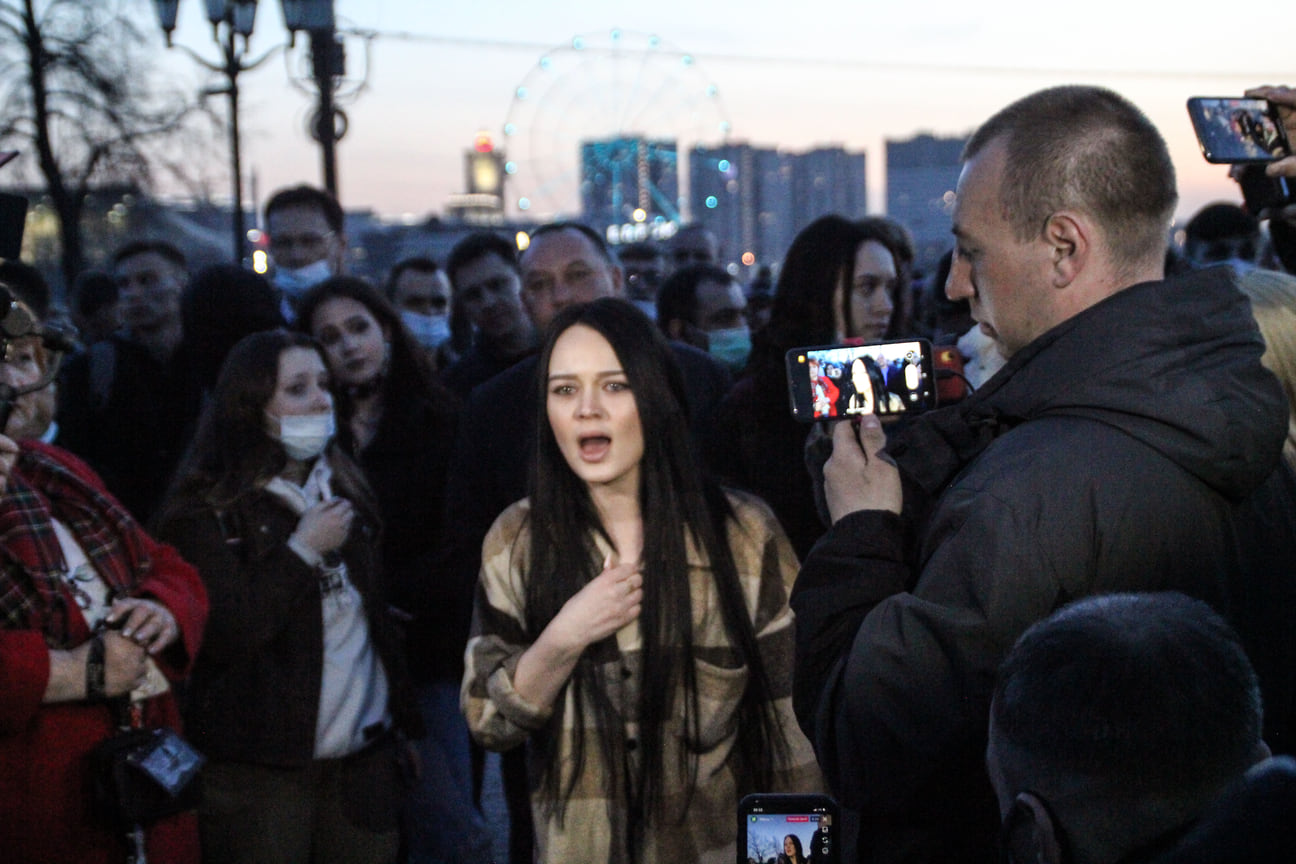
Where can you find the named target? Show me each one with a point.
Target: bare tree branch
(77, 93)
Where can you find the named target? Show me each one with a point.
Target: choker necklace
(369, 388)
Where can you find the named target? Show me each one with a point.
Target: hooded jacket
(1117, 452)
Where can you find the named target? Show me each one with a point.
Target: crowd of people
(552, 502)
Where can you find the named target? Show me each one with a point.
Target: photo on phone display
(792, 828)
(1237, 130)
(884, 378)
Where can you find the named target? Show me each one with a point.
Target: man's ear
(618, 281)
(1029, 835)
(1069, 236)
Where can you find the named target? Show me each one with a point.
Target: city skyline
(842, 77)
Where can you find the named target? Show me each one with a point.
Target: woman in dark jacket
(838, 284)
(401, 428)
(298, 693)
(401, 425)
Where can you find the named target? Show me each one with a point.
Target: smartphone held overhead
(1235, 130)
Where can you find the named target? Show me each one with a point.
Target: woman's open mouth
(594, 447)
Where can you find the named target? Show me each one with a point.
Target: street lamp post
(237, 17)
(327, 65)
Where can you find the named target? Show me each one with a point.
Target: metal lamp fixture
(166, 12)
(244, 17)
(239, 14)
(238, 18)
(308, 14)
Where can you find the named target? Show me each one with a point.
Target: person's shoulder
(1073, 467)
(124, 347)
(745, 388)
(39, 451)
(758, 531)
(512, 521)
(466, 373)
(96, 359)
(748, 508)
(1049, 446)
(508, 537)
(694, 360)
(427, 410)
(509, 385)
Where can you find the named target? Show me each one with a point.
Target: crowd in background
(355, 535)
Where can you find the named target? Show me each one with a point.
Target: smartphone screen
(1237, 130)
(774, 827)
(884, 378)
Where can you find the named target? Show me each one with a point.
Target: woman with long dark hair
(401, 428)
(868, 393)
(837, 284)
(631, 623)
(792, 853)
(298, 693)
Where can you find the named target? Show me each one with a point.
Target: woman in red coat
(73, 561)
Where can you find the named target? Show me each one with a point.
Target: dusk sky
(787, 75)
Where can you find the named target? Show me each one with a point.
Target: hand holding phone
(860, 474)
(1264, 194)
(1281, 174)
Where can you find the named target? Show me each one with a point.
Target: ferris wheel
(625, 103)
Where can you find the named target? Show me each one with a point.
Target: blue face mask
(296, 281)
(730, 346)
(428, 330)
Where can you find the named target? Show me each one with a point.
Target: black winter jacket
(1120, 451)
(406, 465)
(255, 689)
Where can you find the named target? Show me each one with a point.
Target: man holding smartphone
(1285, 99)
(1282, 220)
(1131, 428)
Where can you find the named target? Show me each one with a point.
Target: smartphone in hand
(890, 378)
(1237, 130)
(800, 827)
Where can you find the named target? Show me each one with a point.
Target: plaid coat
(595, 827)
(45, 812)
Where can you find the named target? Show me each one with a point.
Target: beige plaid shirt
(594, 828)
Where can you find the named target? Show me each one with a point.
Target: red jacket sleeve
(176, 585)
(24, 675)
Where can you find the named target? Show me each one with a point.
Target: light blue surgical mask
(296, 281)
(730, 346)
(428, 330)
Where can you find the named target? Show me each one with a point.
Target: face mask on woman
(304, 436)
